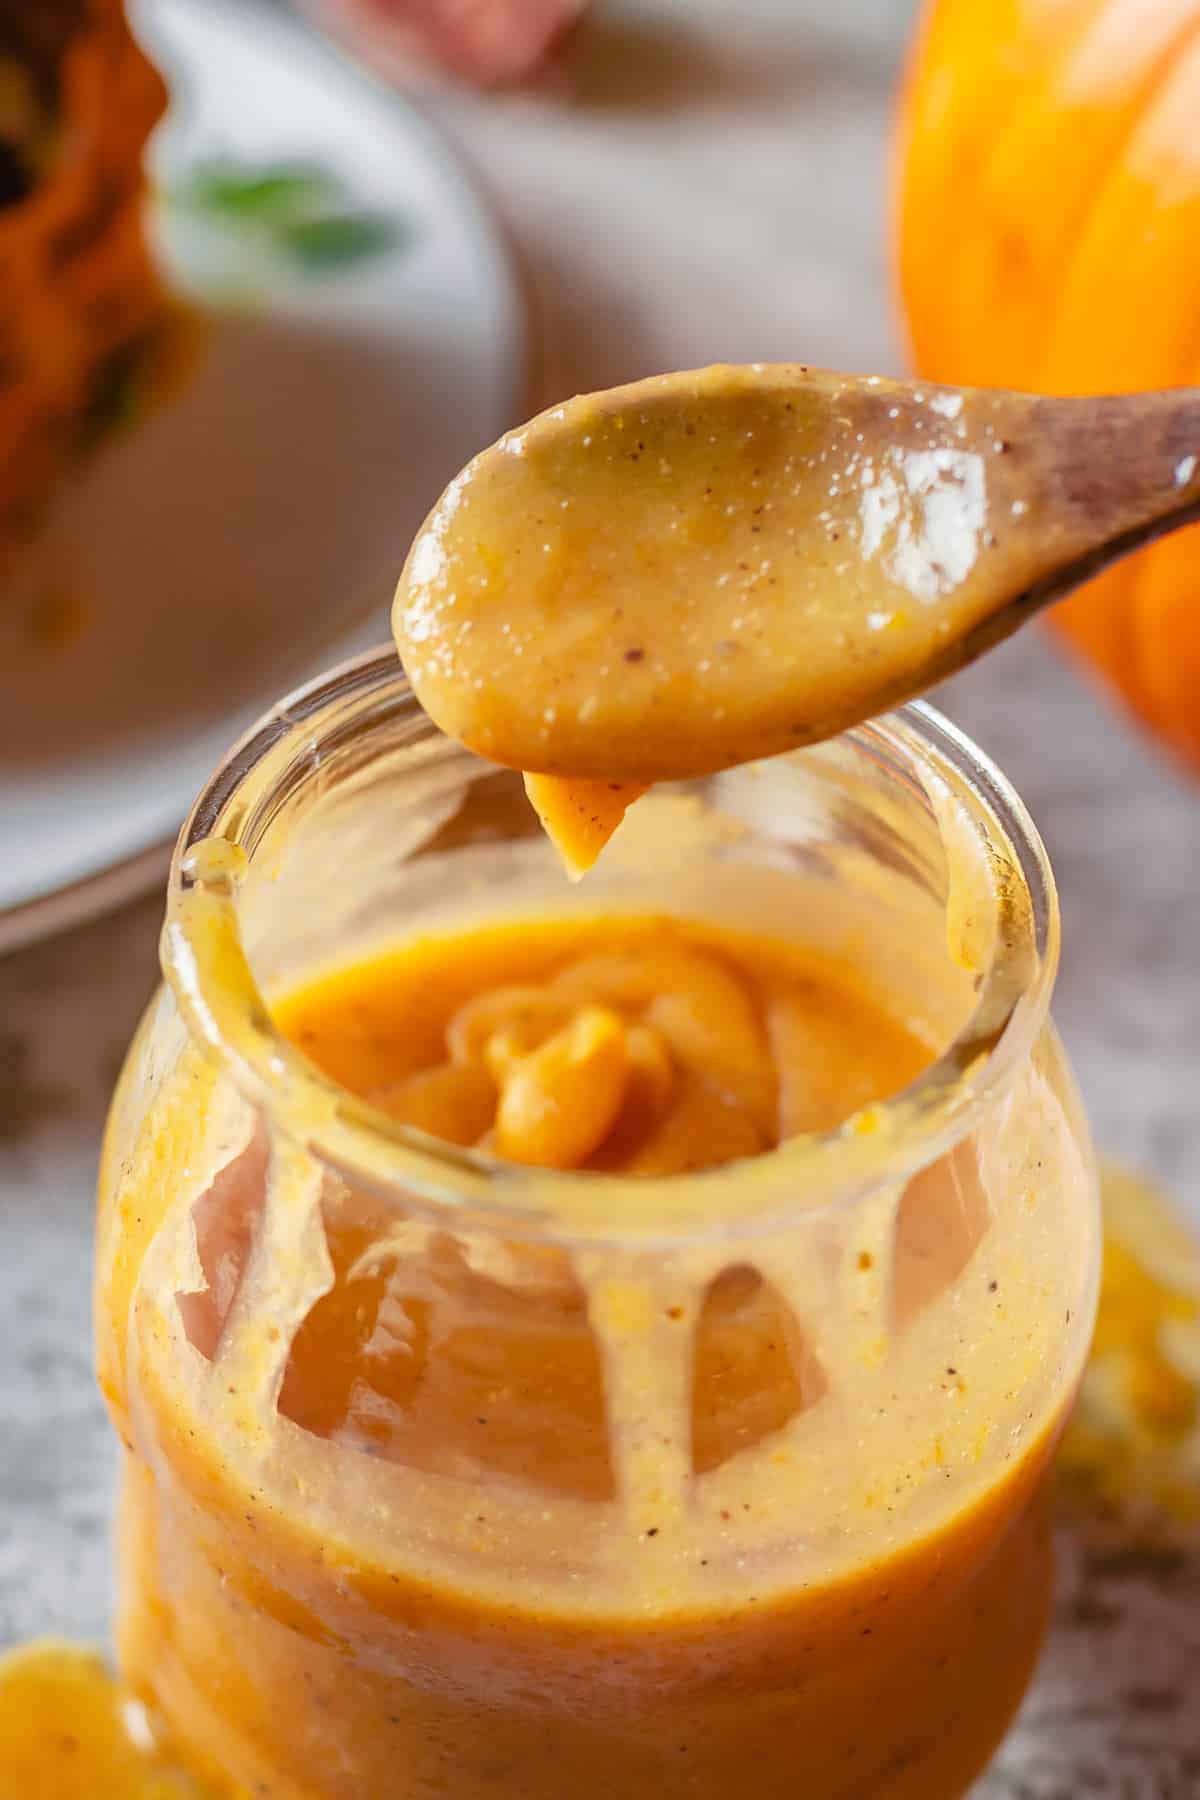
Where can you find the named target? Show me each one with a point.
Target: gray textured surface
(716, 199)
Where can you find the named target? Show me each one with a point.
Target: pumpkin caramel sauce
(69, 1729)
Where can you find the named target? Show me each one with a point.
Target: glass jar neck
(344, 816)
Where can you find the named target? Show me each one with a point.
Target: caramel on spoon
(705, 568)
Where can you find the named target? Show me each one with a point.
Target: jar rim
(209, 973)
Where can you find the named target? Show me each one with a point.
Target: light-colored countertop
(712, 193)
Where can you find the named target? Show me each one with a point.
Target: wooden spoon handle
(1118, 469)
(1079, 483)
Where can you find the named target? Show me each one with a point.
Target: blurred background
(387, 231)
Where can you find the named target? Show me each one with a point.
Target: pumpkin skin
(1047, 221)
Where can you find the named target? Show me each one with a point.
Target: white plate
(251, 529)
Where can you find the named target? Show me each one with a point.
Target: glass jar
(445, 1477)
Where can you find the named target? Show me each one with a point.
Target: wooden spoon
(701, 569)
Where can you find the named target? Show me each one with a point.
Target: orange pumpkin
(1048, 238)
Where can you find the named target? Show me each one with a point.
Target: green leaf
(298, 212)
(265, 194)
(338, 240)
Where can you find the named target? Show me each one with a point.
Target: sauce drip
(70, 1731)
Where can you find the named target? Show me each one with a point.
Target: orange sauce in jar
(424, 1506)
